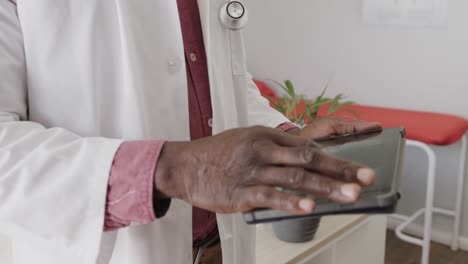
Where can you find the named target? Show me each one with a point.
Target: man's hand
(239, 170)
(333, 127)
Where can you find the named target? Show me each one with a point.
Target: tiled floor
(399, 252)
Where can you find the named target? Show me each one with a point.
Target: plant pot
(297, 231)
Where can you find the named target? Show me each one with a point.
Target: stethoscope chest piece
(233, 15)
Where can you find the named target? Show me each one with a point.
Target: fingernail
(350, 190)
(306, 205)
(378, 123)
(366, 176)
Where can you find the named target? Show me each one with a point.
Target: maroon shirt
(203, 222)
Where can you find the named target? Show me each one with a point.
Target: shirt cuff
(130, 192)
(286, 126)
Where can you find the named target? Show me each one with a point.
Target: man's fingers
(317, 161)
(334, 126)
(308, 182)
(283, 139)
(269, 197)
(341, 170)
(341, 127)
(289, 156)
(298, 152)
(289, 140)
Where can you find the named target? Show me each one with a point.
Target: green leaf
(276, 104)
(313, 111)
(271, 99)
(322, 101)
(318, 104)
(341, 105)
(338, 97)
(285, 89)
(334, 104)
(301, 122)
(353, 112)
(283, 101)
(332, 108)
(290, 87)
(323, 92)
(280, 105)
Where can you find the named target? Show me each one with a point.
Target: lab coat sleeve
(260, 112)
(52, 182)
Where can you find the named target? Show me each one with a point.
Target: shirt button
(173, 65)
(193, 57)
(210, 122)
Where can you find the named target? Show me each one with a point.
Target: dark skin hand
(238, 170)
(333, 127)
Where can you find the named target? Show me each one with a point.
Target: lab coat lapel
(227, 99)
(229, 103)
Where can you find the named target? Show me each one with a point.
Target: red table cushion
(427, 127)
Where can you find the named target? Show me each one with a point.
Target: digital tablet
(381, 150)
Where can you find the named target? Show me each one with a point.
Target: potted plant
(302, 111)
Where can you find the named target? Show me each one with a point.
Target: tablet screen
(376, 150)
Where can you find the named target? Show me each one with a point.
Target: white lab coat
(76, 78)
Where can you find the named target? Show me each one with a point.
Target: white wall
(308, 41)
